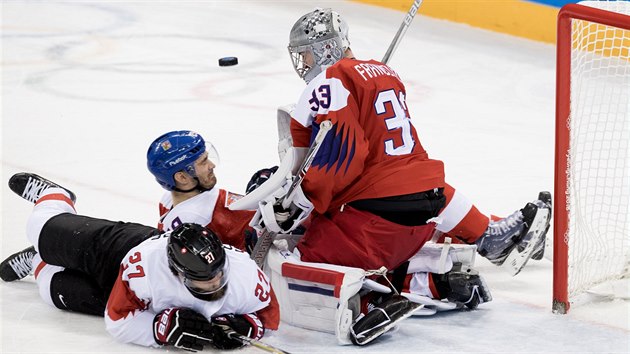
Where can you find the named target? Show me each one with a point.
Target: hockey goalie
(342, 299)
(359, 186)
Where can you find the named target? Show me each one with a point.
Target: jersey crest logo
(231, 198)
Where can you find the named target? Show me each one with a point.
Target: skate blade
(431, 304)
(516, 260)
(412, 310)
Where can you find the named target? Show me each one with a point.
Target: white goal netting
(598, 236)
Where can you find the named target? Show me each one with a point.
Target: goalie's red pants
(360, 239)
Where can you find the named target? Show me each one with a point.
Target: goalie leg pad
(316, 296)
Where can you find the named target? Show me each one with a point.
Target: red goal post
(586, 173)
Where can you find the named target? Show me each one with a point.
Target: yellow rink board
(519, 18)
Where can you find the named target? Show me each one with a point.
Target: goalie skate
(31, 186)
(535, 233)
(382, 319)
(544, 201)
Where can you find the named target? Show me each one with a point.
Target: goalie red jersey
(373, 150)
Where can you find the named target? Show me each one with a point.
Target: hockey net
(592, 177)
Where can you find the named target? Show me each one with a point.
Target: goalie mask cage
(592, 168)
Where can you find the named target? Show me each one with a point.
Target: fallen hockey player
(182, 288)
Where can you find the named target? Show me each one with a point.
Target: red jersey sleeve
(230, 224)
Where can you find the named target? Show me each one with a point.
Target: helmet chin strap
(198, 187)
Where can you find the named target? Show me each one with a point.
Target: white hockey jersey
(146, 286)
(209, 209)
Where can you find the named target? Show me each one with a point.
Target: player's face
(204, 168)
(206, 286)
(307, 58)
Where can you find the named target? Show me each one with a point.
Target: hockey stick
(401, 31)
(324, 127)
(264, 241)
(256, 343)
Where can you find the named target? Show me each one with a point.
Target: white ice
(87, 85)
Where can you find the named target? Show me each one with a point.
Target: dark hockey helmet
(177, 151)
(196, 254)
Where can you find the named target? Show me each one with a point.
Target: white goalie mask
(318, 40)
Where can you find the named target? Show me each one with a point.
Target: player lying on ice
(182, 288)
(373, 194)
(183, 163)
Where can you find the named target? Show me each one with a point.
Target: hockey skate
(381, 319)
(544, 201)
(17, 265)
(31, 186)
(503, 236)
(535, 233)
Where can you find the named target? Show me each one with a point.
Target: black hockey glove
(183, 328)
(259, 178)
(248, 325)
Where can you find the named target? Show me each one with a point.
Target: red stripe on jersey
(56, 196)
(39, 268)
(270, 315)
(318, 275)
(122, 300)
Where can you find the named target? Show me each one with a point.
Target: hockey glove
(183, 328)
(259, 178)
(278, 219)
(222, 326)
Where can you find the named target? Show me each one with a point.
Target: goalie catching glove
(223, 326)
(182, 328)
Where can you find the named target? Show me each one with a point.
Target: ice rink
(87, 85)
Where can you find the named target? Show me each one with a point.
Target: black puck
(228, 61)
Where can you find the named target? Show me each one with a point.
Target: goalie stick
(264, 241)
(401, 30)
(256, 343)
